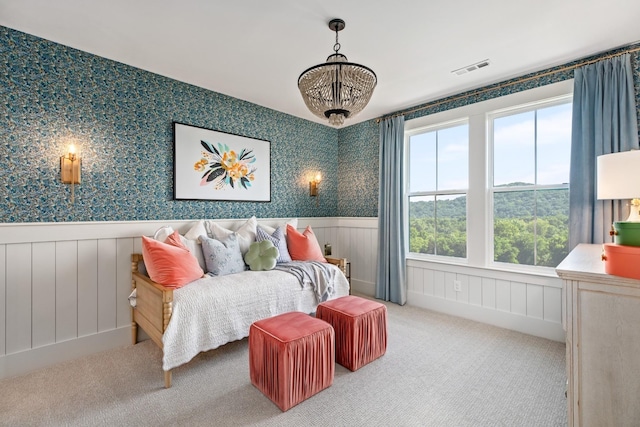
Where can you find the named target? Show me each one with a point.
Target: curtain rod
(503, 85)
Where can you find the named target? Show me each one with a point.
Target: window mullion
(435, 200)
(535, 193)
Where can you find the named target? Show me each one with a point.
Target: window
(488, 183)
(438, 180)
(530, 191)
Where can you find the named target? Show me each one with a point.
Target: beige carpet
(438, 371)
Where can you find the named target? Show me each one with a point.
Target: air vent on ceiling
(472, 67)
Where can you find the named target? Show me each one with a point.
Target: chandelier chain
(336, 47)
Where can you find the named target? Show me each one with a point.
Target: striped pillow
(279, 241)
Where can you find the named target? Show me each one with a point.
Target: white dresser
(602, 322)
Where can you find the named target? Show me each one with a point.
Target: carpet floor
(438, 370)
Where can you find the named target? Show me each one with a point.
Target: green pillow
(261, 256)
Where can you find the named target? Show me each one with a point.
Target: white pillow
(246, 233)
(270, 230)
(162, 233)
(192, 244)
(195, 248)
(198, 229)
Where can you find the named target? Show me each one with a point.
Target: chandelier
(337, 89)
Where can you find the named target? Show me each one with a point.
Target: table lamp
(618, 179)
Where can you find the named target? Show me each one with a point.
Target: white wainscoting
(357, 240)
(64, 286)
(518, 301)
(522, 302)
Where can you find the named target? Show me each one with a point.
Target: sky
(452, 171)
(515, 147)
(514, 151)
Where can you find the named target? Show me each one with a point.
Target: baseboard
(363, 287)
(41, 357)
(527, 325)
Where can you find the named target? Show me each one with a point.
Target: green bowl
(626, 233)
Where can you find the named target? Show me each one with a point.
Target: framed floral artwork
(213, 165)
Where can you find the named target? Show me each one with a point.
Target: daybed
(214, 310)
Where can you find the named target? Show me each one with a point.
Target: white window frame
(408, 194)
(479, 211)
(491, 116)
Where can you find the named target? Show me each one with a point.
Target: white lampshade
(618, 175)
(618, 178)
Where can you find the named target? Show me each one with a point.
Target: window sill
(456, 264)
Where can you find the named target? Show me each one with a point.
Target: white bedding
(213, 311)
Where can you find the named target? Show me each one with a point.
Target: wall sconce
(70, 169)
(313, 185)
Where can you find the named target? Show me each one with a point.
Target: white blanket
(213, 311)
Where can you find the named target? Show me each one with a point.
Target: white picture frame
(214, 165)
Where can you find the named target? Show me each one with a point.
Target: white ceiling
(256, 49)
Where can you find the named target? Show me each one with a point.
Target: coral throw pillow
(174, 239)
(303, 246)
(170, 264)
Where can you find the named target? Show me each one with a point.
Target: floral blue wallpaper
(359, 144)
(358, 164)
(121, 118)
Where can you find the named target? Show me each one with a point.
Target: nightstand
(344, 265)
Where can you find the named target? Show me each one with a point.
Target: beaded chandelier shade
(337, 89)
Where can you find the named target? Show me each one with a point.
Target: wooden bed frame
(154, 305)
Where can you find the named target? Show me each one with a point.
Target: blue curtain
(390, 283)
(604, 122)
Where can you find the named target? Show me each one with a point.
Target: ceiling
(256, 49)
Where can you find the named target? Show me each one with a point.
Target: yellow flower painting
(224, 168)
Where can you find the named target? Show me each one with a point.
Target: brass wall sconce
(313, 185)
(70, 169)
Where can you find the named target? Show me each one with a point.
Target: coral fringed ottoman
(360, 327)
(291, 357)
